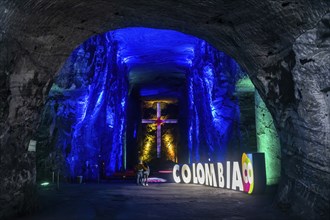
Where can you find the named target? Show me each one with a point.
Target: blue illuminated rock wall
(88, 101)
(213, 108)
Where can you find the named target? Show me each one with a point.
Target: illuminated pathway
(157, 201)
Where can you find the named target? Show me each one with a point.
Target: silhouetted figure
(140, 169)
(146, 175)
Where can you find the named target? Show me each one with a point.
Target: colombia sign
(248, 176)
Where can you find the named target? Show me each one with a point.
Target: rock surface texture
(283, 45)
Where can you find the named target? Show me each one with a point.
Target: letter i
(228, 175)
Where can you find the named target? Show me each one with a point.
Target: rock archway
(284, 46)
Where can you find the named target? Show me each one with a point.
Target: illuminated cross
(159, 123)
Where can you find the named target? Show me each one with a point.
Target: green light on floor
(44, 184)
(268, 141)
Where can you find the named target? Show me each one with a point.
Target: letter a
(237, 177)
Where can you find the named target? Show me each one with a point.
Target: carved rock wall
(213, 108)
(284, 46)
(305, 129)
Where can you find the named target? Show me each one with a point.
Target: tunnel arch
(111, 59)
(274, 55)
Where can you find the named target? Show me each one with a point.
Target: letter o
(250, 175)
(200, 174)
(185, 169)
(245, 173)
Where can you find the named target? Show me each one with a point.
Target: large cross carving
(159, 123)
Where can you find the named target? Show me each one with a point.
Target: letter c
(176, 178)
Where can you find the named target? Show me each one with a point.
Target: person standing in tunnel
(146, 174)
(140, 169)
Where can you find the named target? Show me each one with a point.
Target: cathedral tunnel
(91, 125)
(283, 46)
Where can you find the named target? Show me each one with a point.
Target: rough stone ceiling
(157, 60)
(255, 33)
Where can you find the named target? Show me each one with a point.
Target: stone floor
(126, 200)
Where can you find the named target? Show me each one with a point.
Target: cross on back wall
(159, 123)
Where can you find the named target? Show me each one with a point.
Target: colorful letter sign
(251, 178)
(247, 172)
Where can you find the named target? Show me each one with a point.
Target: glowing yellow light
(169, 146)
(152, 103)
(148, 143)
